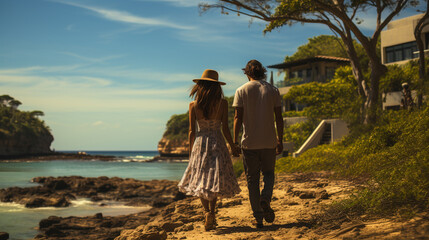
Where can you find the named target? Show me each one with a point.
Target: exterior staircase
(327, 135)
(328, 131)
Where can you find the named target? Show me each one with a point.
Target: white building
(398, 44)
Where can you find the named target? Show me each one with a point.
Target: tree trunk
(372, 103)
(422, 62)
(422, 71)
(357, 72)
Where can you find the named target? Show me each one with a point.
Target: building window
(330, 72)
(308, 73)
(401, 52)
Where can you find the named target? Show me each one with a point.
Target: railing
(313, 140)
(297, 81)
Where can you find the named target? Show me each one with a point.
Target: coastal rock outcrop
(59, 191)
(173, 147)
(22, 132)
(91, 227)
(21, 144)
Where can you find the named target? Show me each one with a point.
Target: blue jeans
(256, 161)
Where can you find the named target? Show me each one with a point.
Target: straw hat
(209, 75)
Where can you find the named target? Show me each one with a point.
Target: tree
(319, 45)
(341, 17)
(5, 99)
(36, 113)
(327, 45)
(422, 23)
(14, 104)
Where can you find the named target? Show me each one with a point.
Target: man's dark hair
(255, 70)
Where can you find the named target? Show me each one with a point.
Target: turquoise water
(20, 222)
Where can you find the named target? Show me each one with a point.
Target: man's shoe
(269, 215)
(259, 223)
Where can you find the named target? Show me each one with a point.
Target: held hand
(279, 147)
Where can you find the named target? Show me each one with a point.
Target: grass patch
(393, 155)
(238, 167)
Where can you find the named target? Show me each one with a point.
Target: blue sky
(108, 74)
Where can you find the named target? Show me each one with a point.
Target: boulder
(45, 223)
(54, 201)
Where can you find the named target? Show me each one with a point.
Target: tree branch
(247, 7)
(399, 6)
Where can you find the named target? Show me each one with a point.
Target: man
(256, 103)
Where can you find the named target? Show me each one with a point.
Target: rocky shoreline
(298, 199)
(85, 157)
(59, 191)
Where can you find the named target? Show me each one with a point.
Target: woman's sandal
(210, 221)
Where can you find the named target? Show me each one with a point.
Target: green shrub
(16, 124)
(177, 127)
(299, 132)
(393, 155)
(337, 98)
(293, 114)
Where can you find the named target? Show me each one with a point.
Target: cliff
(22, 132)
(21, 144)
(174, 142)
(173, 147)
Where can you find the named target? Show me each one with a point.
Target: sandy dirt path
(296, 199)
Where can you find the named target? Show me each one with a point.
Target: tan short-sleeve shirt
(258, 100)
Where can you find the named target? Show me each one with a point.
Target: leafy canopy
(327, 45)
(14, 123)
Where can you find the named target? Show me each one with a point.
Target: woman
(209, 174)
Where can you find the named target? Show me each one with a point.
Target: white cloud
(126, 17)
(92, 92)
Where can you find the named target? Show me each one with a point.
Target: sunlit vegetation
(20, 124)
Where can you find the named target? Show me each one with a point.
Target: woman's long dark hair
(207, 94)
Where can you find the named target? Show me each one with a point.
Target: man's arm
(279, 126)
(238, 121)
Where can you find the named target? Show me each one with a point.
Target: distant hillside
(22, 132)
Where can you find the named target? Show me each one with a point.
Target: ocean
(20, 222)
